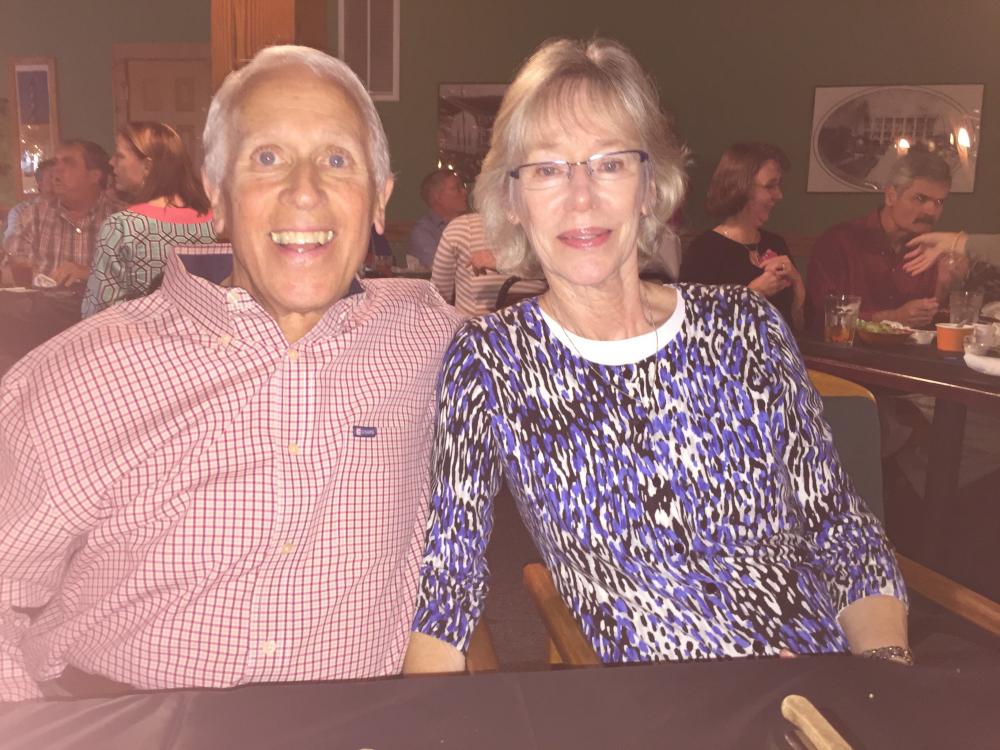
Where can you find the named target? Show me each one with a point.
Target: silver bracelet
(890, 653)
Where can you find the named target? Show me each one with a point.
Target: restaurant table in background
(29, 317)
(873, 704)
(912, 368)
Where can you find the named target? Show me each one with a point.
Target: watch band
(890, 653)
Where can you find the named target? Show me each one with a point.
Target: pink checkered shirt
(45, 233)
(196, 502)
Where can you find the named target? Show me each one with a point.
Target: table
(31, 317)
(707, 705)
(919, 369)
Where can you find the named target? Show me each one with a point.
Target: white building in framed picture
(859, 131)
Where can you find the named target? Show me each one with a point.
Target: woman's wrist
(898, 654)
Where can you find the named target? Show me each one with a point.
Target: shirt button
(233, 296)
(294, 448)
(286, 548)
(268, 647)
(79, 231)
(225, 339)
(293, 354)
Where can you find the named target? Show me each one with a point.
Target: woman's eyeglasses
(617, 165)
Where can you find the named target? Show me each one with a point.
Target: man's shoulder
(90, 349)
(412, 302)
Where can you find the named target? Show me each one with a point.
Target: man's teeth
(302, 238)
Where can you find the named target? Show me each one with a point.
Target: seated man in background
(465, 271)
(446, 196)
(865, 256)
(60, 236)
(222, 484)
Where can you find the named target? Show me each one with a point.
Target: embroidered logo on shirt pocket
(365, 431)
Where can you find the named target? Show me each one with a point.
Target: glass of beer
(841, 318)
(22, 269)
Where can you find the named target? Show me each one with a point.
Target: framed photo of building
(465, 125)
(858, 132)
(34, 119)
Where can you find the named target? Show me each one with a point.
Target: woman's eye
(265, 157)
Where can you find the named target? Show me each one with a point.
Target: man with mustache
(865, 256)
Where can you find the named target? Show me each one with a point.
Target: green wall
(728, 70)
(79, 34)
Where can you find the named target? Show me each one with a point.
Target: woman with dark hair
(744, 189)
(152, 168)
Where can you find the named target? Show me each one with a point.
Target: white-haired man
(223, 484)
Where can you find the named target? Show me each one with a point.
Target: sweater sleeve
(849, 542)
(466, 477)
(108, 282)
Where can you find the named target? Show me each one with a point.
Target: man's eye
(265, 157)
(337, 161)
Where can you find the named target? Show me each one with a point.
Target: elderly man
(60, 235)
(227, 484)
(866, 256)
(446, 196)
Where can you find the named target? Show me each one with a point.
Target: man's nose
(303, 187)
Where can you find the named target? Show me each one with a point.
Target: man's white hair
(219, 125)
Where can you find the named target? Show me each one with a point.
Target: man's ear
(890, 195)
(214, 194)
(381, 201)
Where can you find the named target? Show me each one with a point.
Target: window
(368, 37)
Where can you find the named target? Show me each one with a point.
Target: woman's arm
(864, 582)
(108, 281)
(465, 478)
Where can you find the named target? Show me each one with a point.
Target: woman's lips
(585, 238)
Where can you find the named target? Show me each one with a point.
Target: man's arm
(423, 243)
(33, 541)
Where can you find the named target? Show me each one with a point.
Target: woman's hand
(927, 249)
(777, 273)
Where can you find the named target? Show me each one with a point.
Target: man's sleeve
(423, 243)
(446, 262)
(851, 546)
(34, 542)
(20, 238)
(466, 477)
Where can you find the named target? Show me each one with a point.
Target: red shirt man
(865, 256)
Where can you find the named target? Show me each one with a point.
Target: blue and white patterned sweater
(704, 514)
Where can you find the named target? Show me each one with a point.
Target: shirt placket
(276, 625)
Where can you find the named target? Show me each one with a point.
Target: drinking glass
(964, 306)
(841, 318)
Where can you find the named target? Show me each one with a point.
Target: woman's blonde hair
(547, 89)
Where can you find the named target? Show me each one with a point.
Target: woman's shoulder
(773, 241)
(515, 329)
(709, 303)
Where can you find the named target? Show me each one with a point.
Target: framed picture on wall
(34, 118)
(858, 132)
(466, 112)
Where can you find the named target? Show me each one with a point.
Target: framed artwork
(466, 112)
(34, 118)
(858, 132)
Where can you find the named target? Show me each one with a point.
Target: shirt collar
(232, 311)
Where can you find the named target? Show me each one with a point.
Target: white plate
(987, 365)
(991, 310)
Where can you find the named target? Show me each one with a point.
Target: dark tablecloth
(30, 318)
(709, 705)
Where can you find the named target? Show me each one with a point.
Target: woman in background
(151, 168)
(744, 190)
